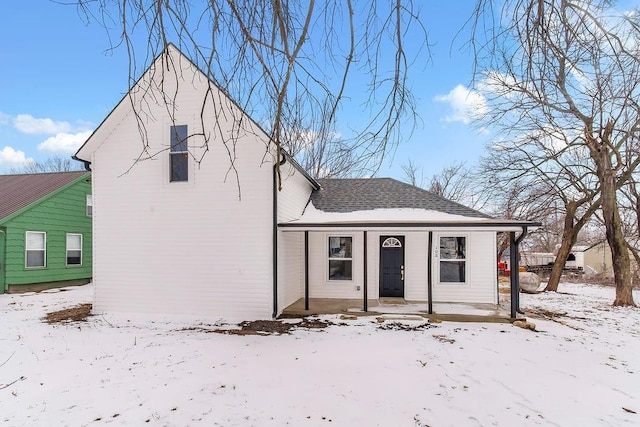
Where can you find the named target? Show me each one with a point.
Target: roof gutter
(275, 234)
(421, 224)
(87, 164)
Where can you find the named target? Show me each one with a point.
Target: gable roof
(350, 195)
(170, 49)
(19, 191)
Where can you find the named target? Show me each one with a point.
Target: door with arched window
(392, 266)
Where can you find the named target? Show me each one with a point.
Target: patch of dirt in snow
(266, 327)
(399, 326)
(444, 339)
(78, 313)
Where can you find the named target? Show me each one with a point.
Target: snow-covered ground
(580, 369)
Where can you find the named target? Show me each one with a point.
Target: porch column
(364, 281)
(515, 270)
(430, 273)
(514, 267)
(306, 269)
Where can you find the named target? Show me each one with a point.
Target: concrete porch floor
(454, 312)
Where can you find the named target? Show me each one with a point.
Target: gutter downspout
(275, 235)
(430, 273)
(515, 270)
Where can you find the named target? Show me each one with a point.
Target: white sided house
(188, 217)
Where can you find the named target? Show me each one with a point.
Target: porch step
(392, 300)
(414, 317)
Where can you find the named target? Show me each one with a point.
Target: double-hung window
(35, 249)
(179, 154)
(340, 258)
(74, 249)
(89, 205)
(453, 259)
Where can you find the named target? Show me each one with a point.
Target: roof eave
(483, 225)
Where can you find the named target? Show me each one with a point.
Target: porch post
(364, 282)
(429, 273)
(513, 274)
(306, 269)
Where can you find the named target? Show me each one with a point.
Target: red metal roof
(19, 191)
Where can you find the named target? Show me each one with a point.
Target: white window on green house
(453, 259)
(35, 249)
(179, 154)
(340, 258)
(89, 205)
(74, 249)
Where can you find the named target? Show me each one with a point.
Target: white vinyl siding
(294, 195)
(203, 249)
(290, 268)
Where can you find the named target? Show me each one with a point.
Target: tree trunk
(569, 236)
(615, 238)
(601, 155)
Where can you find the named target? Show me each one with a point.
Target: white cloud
(11, 158)
(466, 105)
(26, 123)
(64, 142)
(4, 118)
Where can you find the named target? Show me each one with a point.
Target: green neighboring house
(45, 230)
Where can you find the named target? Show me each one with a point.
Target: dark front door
(392, 266)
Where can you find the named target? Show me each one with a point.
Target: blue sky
(58, 81)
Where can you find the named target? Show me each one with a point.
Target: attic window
(179, 154)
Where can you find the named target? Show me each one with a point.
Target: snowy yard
(580, 369)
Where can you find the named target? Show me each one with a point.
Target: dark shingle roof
(19, 191)
(348, 195)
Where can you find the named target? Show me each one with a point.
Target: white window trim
(327, 259)
(166, 145)
(66, 257)
(26, 250)
(437, 281)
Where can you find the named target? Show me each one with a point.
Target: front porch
(416, 282)
(453, 312)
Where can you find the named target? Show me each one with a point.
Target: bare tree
(324, 157)
(564, 75)
(52, 164)
(455, 182)
(412, 173)
(291, 65)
